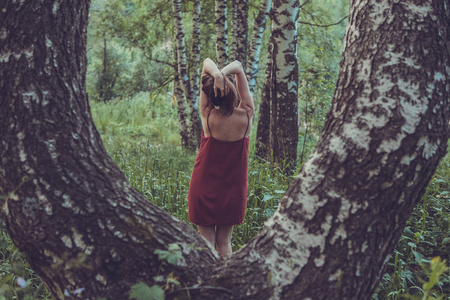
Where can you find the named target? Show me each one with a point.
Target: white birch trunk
(221, 33)
(234, 25)
(196, 48)
(255, 47)
(183, 73)
(284, 111)
(241, 31)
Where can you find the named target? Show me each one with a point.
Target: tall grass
(141, 135)
(161, 170)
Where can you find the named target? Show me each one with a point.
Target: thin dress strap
(248, 123)
(207, 122)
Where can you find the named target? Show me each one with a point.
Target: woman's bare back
(230, 128)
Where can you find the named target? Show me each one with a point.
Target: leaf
(280, 191)
(438, 267)
(269, 212)
(174, 247)
(173, 255)
(142, 291)
(446, 241)
(267, 197)
(412, 245)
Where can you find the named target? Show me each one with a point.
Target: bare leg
(209, 233)
(223, 239)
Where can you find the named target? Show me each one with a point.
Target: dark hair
(226, 103)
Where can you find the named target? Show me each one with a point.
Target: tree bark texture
(181, 109)
(284, 102)
(76, 217)
(196, 48)
(81, 224)
(221, 33)
(255, 47)
(241, 31)
(195, 123)
(234, 25)
(187, 142)
(264, 120)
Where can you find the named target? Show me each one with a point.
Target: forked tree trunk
(81, 224)
(195, 123)
(255, 47)
(284, 102)
(221, 33)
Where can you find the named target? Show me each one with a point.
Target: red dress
(218, 188)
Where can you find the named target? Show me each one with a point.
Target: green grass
(141, 135)
(161, 170)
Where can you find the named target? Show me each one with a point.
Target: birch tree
(262, 134)
(81, 225)
(234, 26)
(241, 31)
(196, 47)
(255, 46)
(221, 33)
(284, 103)
(187, 141)
(195, 124)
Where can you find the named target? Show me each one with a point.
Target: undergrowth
(141, 135)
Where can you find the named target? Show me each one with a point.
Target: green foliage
(426, 236)
(319, 52)
(173, 255)
(17, 279)
(138, 48)
(142, 291)
(139, 129)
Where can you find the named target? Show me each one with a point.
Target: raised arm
(209, 67)
(241, 84)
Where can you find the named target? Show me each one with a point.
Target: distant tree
(187, 141)
(283, 131)
(241, 31)
(233, 16)
(221, 33)
(195, 124)
(196, 47)
(262, 133)
(73, 213)
(255, 47)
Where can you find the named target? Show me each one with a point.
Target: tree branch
(324, 25)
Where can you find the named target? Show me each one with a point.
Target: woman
(218, 188)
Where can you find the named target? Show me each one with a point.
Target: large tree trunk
(284, 102)
(195, 123)
(81, 225)
(255, 47)
(221, 33)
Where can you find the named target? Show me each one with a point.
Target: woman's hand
(219, 85)
(219, 78)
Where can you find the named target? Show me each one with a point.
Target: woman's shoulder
(243, 112)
